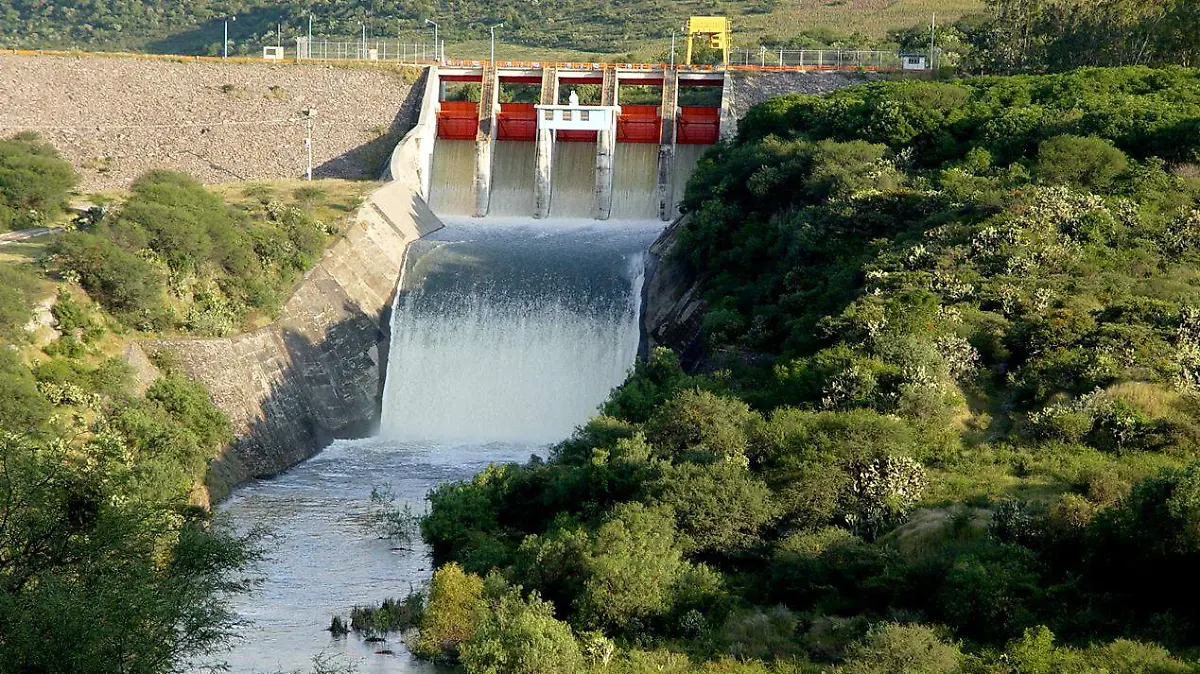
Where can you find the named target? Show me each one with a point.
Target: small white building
(915, 61)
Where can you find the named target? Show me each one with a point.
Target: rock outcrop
(672, 306)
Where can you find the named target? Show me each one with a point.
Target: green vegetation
(1064, 34)
(541, 30)
(175, 256)
(102, 557)
(109, 560)
(946, 420)
(34, 182)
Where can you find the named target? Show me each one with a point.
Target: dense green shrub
(17, 288)
(174, 255)
(894, 647)
(22, 406)
(34, 182)
(1084, 163)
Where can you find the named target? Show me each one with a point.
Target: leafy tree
(895, 647)
(1085, 163)
(34, 182)
(519, 634)
(630, 568)
(452, 613)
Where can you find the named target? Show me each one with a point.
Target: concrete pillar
(606, 148)
(485, 139)
(543, 186)
(666, 146)
(729, 120)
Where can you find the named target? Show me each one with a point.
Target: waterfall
(512, 332)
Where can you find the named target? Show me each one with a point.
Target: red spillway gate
(458, 120)
(517, 121)
(698, 125)
(639, 124)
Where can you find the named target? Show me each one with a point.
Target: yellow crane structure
(717, 29)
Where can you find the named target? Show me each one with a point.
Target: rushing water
(506, 335)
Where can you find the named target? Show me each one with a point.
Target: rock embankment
(751, 88)
(115, 118)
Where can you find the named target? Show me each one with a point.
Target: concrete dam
(527, 199)
(553, 143)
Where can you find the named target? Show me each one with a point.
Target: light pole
(429, 22)
(225, 45)
(499, 25)
(308, 44)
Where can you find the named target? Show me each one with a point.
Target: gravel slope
(115, 118)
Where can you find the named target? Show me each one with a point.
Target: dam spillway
(507, 332)
(512, 333)
(611, 154)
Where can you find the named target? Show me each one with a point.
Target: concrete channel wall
(316, 373)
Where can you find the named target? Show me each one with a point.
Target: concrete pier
(606, 142)
(544, 155)
(666, 147)
(485, 141)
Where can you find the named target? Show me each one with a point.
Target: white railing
(375, 49)
(834, 59)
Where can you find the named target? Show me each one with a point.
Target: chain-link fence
(372, 49)
(834, 59)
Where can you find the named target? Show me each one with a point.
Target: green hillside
(558, 26)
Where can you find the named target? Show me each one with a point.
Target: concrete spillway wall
(316, 373)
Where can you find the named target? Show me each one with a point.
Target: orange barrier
(517, 121)
(458, 120)
(639, 124)
(575, 136)
(698, 125)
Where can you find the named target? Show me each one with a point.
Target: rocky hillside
(115, 118)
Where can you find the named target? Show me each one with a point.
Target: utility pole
(364, 42)
(435, 39)
(672, 50)
(279, 35)
(225, 45)
(499, 25)
(308, 130)
(308, 45)
(932, 43)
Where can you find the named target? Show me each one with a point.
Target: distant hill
(637, 27)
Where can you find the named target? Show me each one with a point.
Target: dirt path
(20, 235)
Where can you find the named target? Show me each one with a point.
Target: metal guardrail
(820, 59)
(418, 53)
(395, 51)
